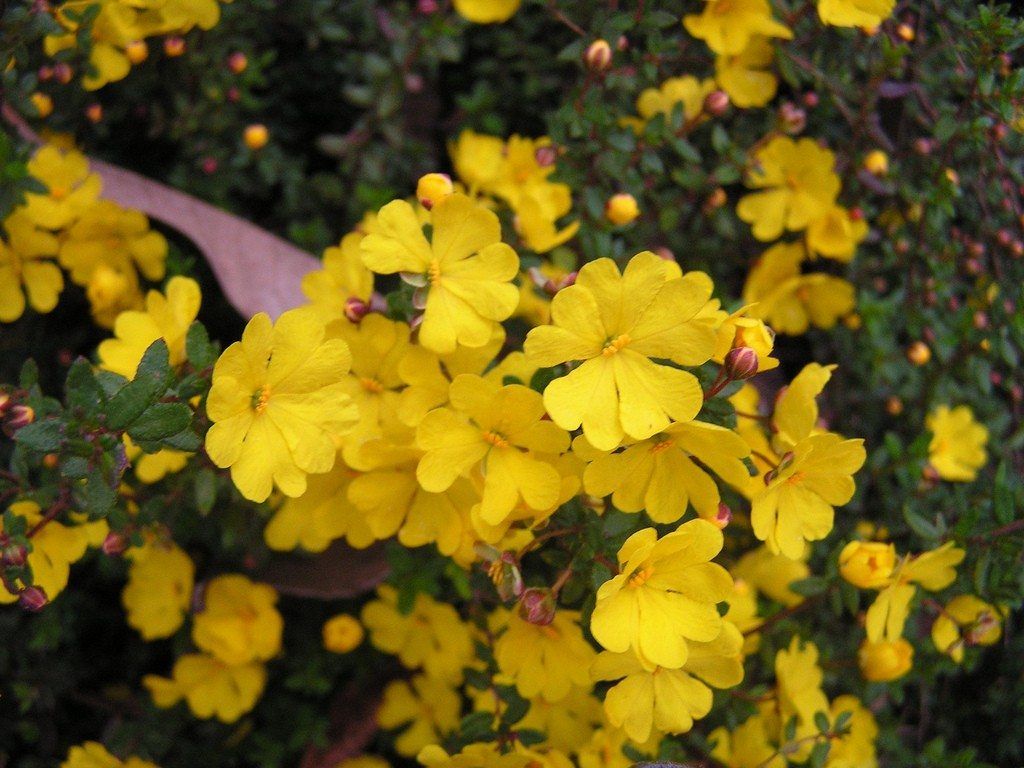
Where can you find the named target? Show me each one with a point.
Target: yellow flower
(857, 748)
(478, 756)
(276, 404)
(429, 707)
(209, 686)
(26, 271)
(487, 11)
(772, 573)
(320, 515)
(728, 25)
(92, 754)
(55, 546)
(71, 189)
(538, 228)
(114, 27)
(836, 234)
(739, 331)
(797, 505)
(669, 700)
(796, 407)
(867, 564)
(605, 749)
(746, 76)
(108, 234)
(238, 622)
(966, 620)
(792, 302)
(167, 316)
(154, 467)
(465, 269)
(885, 660)
(957, 448)
(616, 323)
(478, 159)
(662, 475)
(569, 724)
(159, 589)
(342, 633)
(748, 745)
(364, 761)
(686, 90)
(497, 430)
(342, 278)
(431, 636)
(112, 291)
(798, 679)
(855, 13)
(664, 596)
(545, 660)
(799, 186)
(933, 570)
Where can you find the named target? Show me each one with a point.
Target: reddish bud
(427, 7)
(598, 56)
(716, 103)
(233, 94)
(114, 544)
(924, 146)
(537, 606)
(723, 516)
(32, 598)
(811, 99)
(980, 320)
(546, 156)
(45, 73)
(17, 417)
(94, 112)
(6, 401)
(14, 555)
(174, 46)
(622, 44)
(237, 62)
(740, 363)
(209, 165)
(356, 309)
(792, 119)
(51, 460)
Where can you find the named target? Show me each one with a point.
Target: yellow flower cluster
(799, 188)
(236, 628)
(92, 754)
(104, 247)
(117, 32)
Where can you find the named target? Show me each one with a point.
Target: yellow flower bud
(876, 163)
(598, 56)
(342, 633)
(174, 46)
(42, 103)
(853, 321)
(137, 51)
(237, 62)
(433, 188)
(884, 661)
(867, 565)
(905, 32)
(918, 353)
(256, 136)
(621, 209)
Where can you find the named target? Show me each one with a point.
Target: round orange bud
(174, 46)
(621, 209)
(42, 103)
(432, 188)
(137, 51)
(918, 353)
(63, 72)
(716, 103)
(867, 564)
(256, 136)
(94, 112)
(853, 321)
(740, 363)
(894, 406)
(237, 62)
(51, 460)
(342, 633)
(905, 32)
(598, 56)
(876, 162)
(715, 200)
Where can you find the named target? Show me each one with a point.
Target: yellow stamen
(434, 272)
(261, 399)
(495, 439)
(640, 578)
(661, 447)
(371, 385)
(615, 345)
(58, 193)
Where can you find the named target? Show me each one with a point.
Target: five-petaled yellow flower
(957, 448)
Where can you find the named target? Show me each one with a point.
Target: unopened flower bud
(918, 353)
(63, 72)
(905, 32)
(32, 598)
(51, 460)
(716, 200)
(621, 209)
(342, 633)
(94, 112)
(42, 103)
(174, 46)
(356, 309)
(209, 165)
(716, 103)
(811, 99)
(6, 401)
(622, 44)
(233, 94)
(876, 163)
(13, 555)
(740, 363)
(256, 136)
(924, 146)
(45, 73)
(114, 544)
(427, 7)
(433, 188)
(723, 517)
(137, 51)
(598, 56)
(17, 417)
(237, 62)
(537, 606)
(894, 406)
(546, 156)
(792, 119)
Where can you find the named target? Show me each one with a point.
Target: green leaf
(96, 497)
(476, 726)
(160, 421)
(1002, 497)
(919, 525)
(809, 587)
(43, 436)
(199, 350)
(205, 489)
(821, 722)
(81, 390)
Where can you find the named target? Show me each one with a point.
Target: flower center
(795, 479)
(434, 273)
(495, 439)
(661, 447)
(641, 576)
(371, 385)
(260, 399)
(58, 193)
(615, 345)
